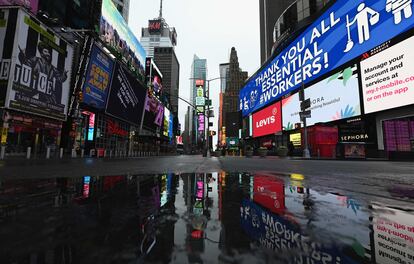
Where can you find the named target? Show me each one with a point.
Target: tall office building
(159, 40)
(224, 73)
(235, 81)
(123, 7)
(198, 72)
(270, 11)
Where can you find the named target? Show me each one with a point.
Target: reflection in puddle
(196, 218)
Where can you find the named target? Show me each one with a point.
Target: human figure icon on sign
(365, 18)
(397, 7)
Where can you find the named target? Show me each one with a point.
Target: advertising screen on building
(154, 113)
(155, 26)
(388, 78)
(40, 65)
(32, 5)
(334, 98)
(127, 96)
(98, 78)
(114, 31)
(166, 121)
(154, 76)
(345, 31)
(267, 121)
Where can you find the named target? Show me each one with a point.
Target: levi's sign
(345, 31)
(267, 121)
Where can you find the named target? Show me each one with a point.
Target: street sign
(208, 102)
(305, 114)
(200, 101)
(210, 113)
(210, 124)
(305, 104)
(200, 110)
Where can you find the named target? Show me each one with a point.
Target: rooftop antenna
(160, 8)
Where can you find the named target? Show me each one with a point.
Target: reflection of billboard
(329, 42)
(32, 5)
(114, 31)
(40, 65)
(127, 96)
(269, 192)
(98, 78)
(393, 236)
(267, 121)
(388, 78)
(334, 98)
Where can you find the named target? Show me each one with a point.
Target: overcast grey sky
(209, 29)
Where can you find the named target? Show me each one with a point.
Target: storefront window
(399, 134)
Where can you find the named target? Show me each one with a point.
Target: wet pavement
(202, 218)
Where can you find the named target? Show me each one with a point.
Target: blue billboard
(98, 79)
(345, 31)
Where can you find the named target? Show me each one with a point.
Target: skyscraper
(270, 11)
(123, 7)
(198, 72)
(235, 81)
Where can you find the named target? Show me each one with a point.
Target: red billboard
(269, 192)
(267, 121)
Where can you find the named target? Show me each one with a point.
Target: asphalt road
(390, 180)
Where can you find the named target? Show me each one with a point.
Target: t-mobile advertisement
(127, 96)
(334, 98)
(393, 236)
(41, 69)
(267, 121)
(388, 78)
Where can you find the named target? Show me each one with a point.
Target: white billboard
(388, 78)
(40, 71)
(333, 98)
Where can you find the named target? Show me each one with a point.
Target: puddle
(198, 218)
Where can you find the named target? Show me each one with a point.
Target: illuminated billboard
(334, 98)
(267, 121)
(115, 32)
(345, 31)
(388, 78)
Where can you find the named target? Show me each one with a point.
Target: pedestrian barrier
(61, 153)
(29, 152)
(3, 152)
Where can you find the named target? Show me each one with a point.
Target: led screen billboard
(127, 96)
(98, 78)
(345, 31)
(267, 121)
(334, 98)
(114, 31)
(154, 77)
(167, 114)
(388, 78)
(154, 113)
(32, 5)
(36, 67)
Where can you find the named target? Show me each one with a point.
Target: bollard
(110, 153)
(29, 152)
(91, 153)
(73, 153)
(3, 152)
(82, 153)
(48, 153)
(61, 153)
(105, 153)
(319, 154)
